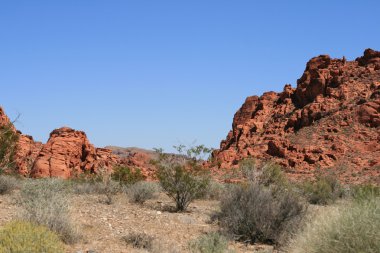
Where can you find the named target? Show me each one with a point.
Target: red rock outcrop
(137, 158)
(66, 154)
(69, 153)
(4, 120)
(27, 148)
(27, 153)
(330, 120)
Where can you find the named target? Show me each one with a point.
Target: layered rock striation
(330, 120)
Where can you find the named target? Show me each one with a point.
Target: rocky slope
(330, 120)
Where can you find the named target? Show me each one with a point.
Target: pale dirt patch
(103, 226)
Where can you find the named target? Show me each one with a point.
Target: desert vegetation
(21, 236)
(45, 202)
(352, 226)
(182, 177)
(209, 243)
(260, 210)
(264, 208)
(8, 145)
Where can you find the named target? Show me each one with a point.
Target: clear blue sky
(157, 73)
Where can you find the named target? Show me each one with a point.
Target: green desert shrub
(348, 228)
(7, 184)
(272, 174)
(45, 202)
(209, 243)
(142, 191)
(125, 175)
(8, 146)
(182, 177)
(255, 213)
(139, 240)
(26, 237)
(182, 185)
(325, 190)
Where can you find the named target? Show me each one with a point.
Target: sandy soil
(103, 226)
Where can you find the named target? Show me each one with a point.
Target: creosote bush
(125, 175)
(347, 228)
(45, 202)
(142, 191)
(26, 237)
(209, 243)
(182, 177)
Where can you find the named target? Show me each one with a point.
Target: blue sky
(159, 73)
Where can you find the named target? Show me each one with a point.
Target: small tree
(8, 147)
(182, 176)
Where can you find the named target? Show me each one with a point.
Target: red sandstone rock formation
(332, 119)
(27, 153)
(69, 153)
(27, 148)
(66, 154)
(137, 158)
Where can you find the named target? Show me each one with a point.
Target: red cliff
(330, 120)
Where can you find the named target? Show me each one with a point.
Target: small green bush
(7, 184)
(26, 237)
(45, 202)
(139, 240)
(348, 228)
(126, 175)
(272, 174)
(210, 243)
(325, 190)
(142, 191)
(182, 185)
(255, 213)
(8, 145)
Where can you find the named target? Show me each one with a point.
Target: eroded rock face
(331, 119)
(27, 148)
(27, 152)
(69, 153)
